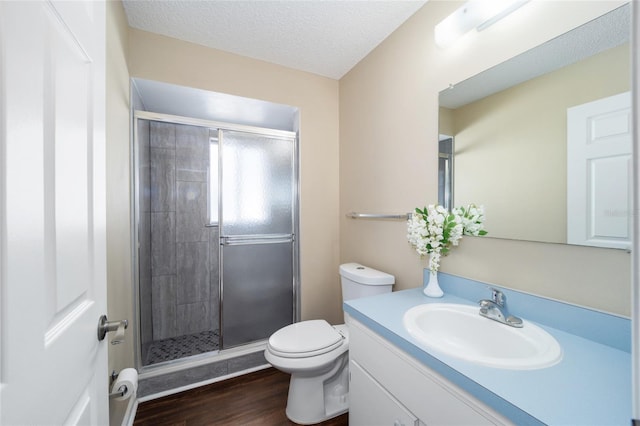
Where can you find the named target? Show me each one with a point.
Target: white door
(599, 170)
(53, 370)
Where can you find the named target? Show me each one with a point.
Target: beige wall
(514, 143)
(119, 275)
(169, 60)
(445, 121)
(385, 161)
(388, 158)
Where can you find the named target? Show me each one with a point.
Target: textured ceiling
(324, 37)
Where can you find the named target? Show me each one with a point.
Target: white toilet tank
(362, 281)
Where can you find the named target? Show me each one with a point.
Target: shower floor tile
(180, 347)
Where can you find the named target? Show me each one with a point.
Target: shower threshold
(169, 376)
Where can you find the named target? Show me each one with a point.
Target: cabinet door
(371, 405)
(428, 396)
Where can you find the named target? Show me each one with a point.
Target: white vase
(433, 288)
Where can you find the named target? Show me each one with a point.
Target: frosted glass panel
(257, 184)
(258, 291)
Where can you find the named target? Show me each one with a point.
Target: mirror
(509, 129)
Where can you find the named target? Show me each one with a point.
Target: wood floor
(254, 399)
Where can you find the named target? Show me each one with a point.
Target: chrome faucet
(496, 309)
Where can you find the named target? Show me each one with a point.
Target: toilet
(315, 353)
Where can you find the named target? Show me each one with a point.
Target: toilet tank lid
(365, 275)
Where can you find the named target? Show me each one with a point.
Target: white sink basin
(459, 331)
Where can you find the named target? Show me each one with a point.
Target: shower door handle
(238, 240)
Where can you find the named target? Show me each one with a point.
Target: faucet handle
(485, 305)
(498, 297)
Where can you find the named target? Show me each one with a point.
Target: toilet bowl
(315, 353)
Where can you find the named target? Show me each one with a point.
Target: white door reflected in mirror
(599, 172)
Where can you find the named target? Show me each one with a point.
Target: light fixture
(479, 14)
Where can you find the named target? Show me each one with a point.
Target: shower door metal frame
(135, 215)
(266, 239)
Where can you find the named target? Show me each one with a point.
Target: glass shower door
(257, 208)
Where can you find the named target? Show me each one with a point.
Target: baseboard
(122, 413)
(130, 413)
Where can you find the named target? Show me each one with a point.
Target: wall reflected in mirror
(506, 130)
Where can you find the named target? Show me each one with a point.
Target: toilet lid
(306, 338)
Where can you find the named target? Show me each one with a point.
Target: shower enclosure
(215, 221)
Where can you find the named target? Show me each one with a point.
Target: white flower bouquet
(433, 230)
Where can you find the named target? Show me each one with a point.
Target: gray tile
(192, 197)
(144, 141)
(144, 231)
(246, 361)
(163, 135)
(144, 152)
(156, 384)
(164, 307)
(190, 227)
(193, 272)
(192, 211)
(163, 243)
(144, 277)
(146, 319)
(164, 290)
(163, 180)
(194, 318)
(191, 136)
(181, 346)
(207, 372)
(144, 186)
(144, 239)
(192, 153)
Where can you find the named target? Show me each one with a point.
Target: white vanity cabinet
(371, 404)
(388, 387)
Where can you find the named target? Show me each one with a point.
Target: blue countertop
(590, 386)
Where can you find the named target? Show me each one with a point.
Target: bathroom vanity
(388, 387)
(396, 380)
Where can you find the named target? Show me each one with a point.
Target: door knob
(105, 327)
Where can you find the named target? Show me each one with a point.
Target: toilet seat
(305, 339)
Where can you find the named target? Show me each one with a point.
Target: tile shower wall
(182, 292)
(144, 229)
